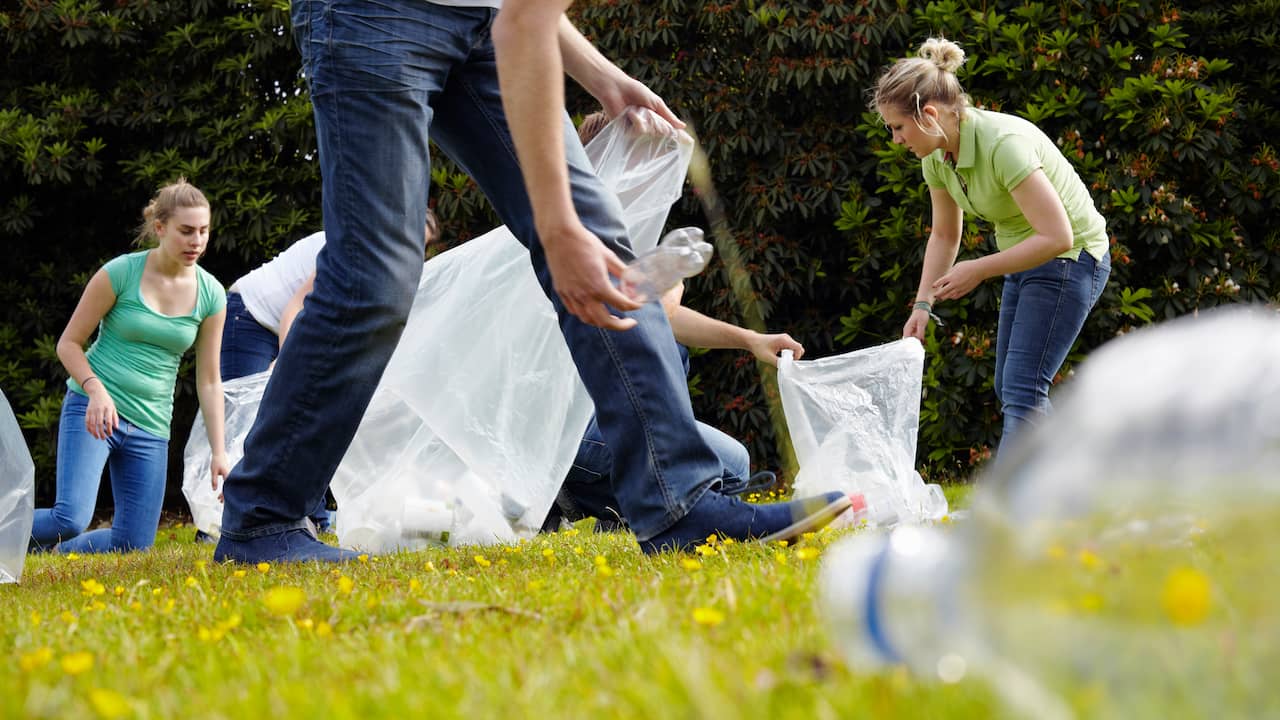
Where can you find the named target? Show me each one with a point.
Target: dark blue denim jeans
(138, 462)
(587, 490)
(1042, 311)
(385, 76)
(247, 347)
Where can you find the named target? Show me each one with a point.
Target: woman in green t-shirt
(149, 307)
(1052, 244)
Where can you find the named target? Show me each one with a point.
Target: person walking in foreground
(148, 307)
(1053, 250)
(386, 77)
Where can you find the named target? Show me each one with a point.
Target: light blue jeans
(1042, 311)
(385, 76)
(137, 462)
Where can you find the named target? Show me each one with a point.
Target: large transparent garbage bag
(854, 419)
(480, 411)
(242, 397)
(17, 495)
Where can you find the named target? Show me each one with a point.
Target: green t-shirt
(999, 151)
(137, 351)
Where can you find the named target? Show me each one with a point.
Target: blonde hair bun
(942, 52)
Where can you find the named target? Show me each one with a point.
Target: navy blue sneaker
(296, 545)
(726, 516)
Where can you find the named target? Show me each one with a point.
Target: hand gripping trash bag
(854, 419)
(480, 411)
(17, 495)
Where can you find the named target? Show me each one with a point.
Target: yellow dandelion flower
(781, 557)
(705, 550)
(157, 591)
(168, 606)
(67, 616)
(192, 582)
(728, 541)
(689, 563)
(371, 603)
(783, 543)
(306, 624)
(415, 584)
(708, 616)
(37, 658)
(264, 567)
(109, 703)
(712, 539)
(807, 553)
(204, 635)
(96, 606)
(346, 585)
(72, 556)
(1089, 559)
(363, 557)
(571, 532)
(482, 561)
(284, 600)
(119, 590)
(1090, 602)
(429, 567)
(324, 629)
(200, 564)
(92, 587)
(240, 573)
(232, 622)
(77, 663)
(1186, 596)
(604, 570)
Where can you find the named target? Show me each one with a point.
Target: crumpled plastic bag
(480, 411)
(242, 397)
(17, 495)
(854, 419)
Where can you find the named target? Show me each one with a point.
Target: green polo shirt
(999, 151)
(137, 351)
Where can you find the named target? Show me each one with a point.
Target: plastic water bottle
(1122, 562)
(681, 253)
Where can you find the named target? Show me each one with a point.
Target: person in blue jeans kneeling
(148, 308)
(1054, 252)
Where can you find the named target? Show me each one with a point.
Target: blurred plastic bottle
(682, 253)
(1122, 562)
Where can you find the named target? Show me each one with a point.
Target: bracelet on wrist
(86, 380)
(927, 306)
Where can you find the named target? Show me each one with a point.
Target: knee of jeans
(69, 523)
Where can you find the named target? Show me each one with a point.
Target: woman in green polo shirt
(148, 307)
(1052, 243)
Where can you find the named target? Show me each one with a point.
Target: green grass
(575, 624)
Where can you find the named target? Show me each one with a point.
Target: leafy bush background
(1166, 108)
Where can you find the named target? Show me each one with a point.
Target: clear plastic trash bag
(854, 419)
(242, 398)
(480, 411)
(17, 495)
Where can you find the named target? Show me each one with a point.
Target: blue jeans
(1042, 311)
(587, 490)
(385, 75)
(247, 349)
(138, 462)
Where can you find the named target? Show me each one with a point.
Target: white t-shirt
(267, 290)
